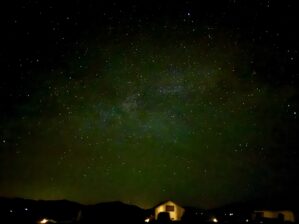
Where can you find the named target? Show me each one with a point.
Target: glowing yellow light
(147, 220)
(44, 221)
(214, 220)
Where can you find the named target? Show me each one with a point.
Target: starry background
(146, 101)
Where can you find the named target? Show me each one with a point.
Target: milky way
(163, 113)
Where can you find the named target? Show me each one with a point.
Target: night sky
(143, 101)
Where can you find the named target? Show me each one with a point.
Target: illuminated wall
(175, 211)
(287, 215)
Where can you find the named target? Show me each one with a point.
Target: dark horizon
(196, 101)
(258, 204)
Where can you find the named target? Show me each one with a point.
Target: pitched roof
(163, 202)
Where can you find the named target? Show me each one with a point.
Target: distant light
(214, 220)
(47, 221)
(231, 214)
(26, 209)
(147, 220)
(11, 211)
(247, 220)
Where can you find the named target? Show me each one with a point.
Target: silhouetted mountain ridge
(29, 211)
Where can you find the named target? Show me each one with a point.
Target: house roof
(163, 202)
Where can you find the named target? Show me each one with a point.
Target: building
(282, 215)
(175, 211)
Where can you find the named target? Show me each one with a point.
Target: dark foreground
(30, 211)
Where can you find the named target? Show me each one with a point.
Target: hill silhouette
(18, 210)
